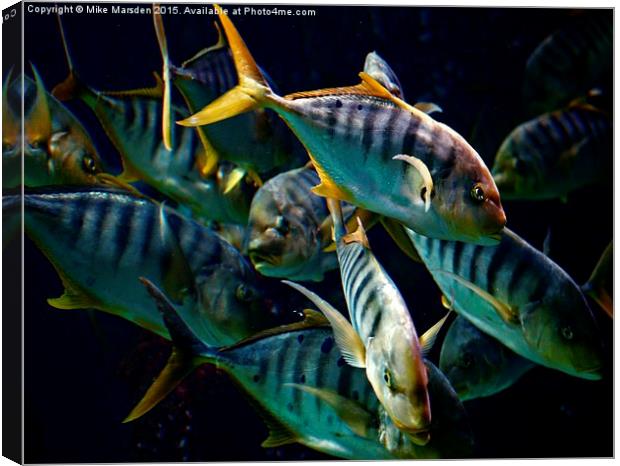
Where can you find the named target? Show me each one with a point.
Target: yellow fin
(426, 191)
(208, 158)
(72, 299)
(427, 340)
(397, 233)
(330, 248)
(508, 315)
(445, 302)
(358, 236)
(251, 92)
(235, 176)
(352, 413)
(327, 188)
(155, 92)
(349, 342)
(163, 47)
(38, 124)
(177, 368)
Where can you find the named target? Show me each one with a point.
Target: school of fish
(230, 194)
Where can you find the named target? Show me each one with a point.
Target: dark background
(84, 372)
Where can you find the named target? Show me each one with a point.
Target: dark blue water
(83, 375)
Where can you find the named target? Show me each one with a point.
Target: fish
(599, 286)
(375, 151)
(519, 296)
(554, 154)
(381, 336)
(100, 241)
(57, 148)
(257, 142)
(288, 232)
(476, 364)
(581, 49)
(297, 380)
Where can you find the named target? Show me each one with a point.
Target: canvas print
(309, 232)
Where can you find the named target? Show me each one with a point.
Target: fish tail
(251, 93)
(187, 354)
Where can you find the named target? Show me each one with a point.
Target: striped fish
(298, 381)
(286, 228)
(516, 294)
(551, 155)
(569, 62)
(57, 148)
(375, 151)
(101, 241)
(132, 120)
(257, 141)
(381, 336)
(476, 364)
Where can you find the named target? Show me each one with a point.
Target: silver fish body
(516, 294)
(477, 364)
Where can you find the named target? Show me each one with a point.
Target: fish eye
(387, 377)
(282, 225)
(477, 193)
(89, 164)
(567, 332)
(243, 293)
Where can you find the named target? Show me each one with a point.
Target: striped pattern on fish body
(101, 242)
(352, 135)
(555, 153)
(284, 228)
(523, 299)
(311, 358)
(477, 364)
(569, 62)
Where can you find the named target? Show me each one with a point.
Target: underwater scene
(301, 232)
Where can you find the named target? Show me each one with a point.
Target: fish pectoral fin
(351, 412)
(107, 179)
(71, 299)
(508, 315)
(358, 236)
(398, 234)
(426, 190)
(428, 107)
(236, 175)
(179, 365)
(350, 344)
(327, 188)
(330, 247)
(427, 340)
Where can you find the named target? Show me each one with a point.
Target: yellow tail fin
(251, 93)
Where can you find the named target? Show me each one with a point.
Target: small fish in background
(101, 241)
(553, 154)
(516, 294)
(287, 228)
(57, 148)
(476, 364)
(570, 61)
(298, 382)
(375, 151)
(381, 336)
(599, 286)
(257, 142)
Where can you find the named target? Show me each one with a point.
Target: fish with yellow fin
(100, 241)
(296, 379)
(375, 151)
(381, 336)
(519, 296)
(57, 148)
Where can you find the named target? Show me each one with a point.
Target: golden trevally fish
(375, 151)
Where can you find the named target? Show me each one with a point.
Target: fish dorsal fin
(428, 107)
(38, 126)
(507, 314)
(427, 340)
(358, 236)
(10, 122)
(166, 122)
(349, 342)
(351, 412)
(155, 92)
(600, 284)
(312, 319)
(358, 89)
(220, 44)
